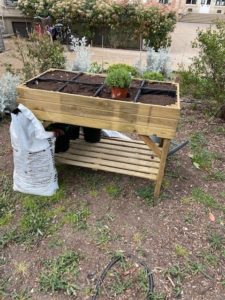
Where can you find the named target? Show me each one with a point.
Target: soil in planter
(157, 99)
(45, 85)
(93, 79)
(136, 83)
(163, 86)
(63, 75)
(106, 93)
(81, 89)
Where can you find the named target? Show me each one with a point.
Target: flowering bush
(153, 22)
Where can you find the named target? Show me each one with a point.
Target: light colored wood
(107, 169)
(165, 149)
(136, 158)
(108, 161)
(134, 166)
(93, 113)
(125, 153)
(151, 145)
(117, 158)
(98, 103)
(96, 123)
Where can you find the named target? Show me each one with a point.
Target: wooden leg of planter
(165, 149)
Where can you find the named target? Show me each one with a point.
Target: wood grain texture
(99, 158)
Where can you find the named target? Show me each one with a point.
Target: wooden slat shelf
(113, 155)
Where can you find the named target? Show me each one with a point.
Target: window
(164, 1)
(190, 10)
(191, 1)
(220, 2)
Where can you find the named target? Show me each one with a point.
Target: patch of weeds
(103, 234)
(2, 260)
(9, 237)
(218, 176)
(55, 243)
(60, 274)
(216, 241)
(92, 181)
(222, 194)
(186, 200)
(119, 285)
(197, 141)
(147, 193)
(5, 219)
(203, 159)
(3, 287)
(21, 295)
(37, 218)
(113, 191)
(8, 199)
(188, 218)
(176, 275)
(21, 268)
(195, 267)
(93, 193)
(209, 258)
(157, 296)
(78, 218)
(181, 250)
(206, 199)
(142, 278)
(219, 130)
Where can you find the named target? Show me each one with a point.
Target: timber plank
(96, 123)
(115, 116)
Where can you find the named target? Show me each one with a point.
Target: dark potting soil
(86, 84)
(157, 99)
(79, 88)
(136, 83)
(93, 79)
(162, 85)
(63, 75)
(45, 85)
(106, 93)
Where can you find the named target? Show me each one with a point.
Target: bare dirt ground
(181, 239)
(57, 247)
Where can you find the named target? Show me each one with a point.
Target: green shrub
(132, 70)
(153, 76)
(205, 78)
(118, 78)
(38, 54)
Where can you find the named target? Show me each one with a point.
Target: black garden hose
(116, 259)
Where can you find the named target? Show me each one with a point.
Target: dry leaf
(212, 217)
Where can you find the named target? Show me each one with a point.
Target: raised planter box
(65, 104)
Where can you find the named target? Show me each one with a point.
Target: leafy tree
(205, 78)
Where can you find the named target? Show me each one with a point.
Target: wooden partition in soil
(142, 158)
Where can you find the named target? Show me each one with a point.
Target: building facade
(12, 21)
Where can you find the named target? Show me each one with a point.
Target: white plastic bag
(33, 155)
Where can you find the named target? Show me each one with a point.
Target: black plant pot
(73, 132)
(62, 143)
(92, 135)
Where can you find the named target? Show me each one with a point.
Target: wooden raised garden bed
(152, 108)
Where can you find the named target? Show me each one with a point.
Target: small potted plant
(119, 80)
